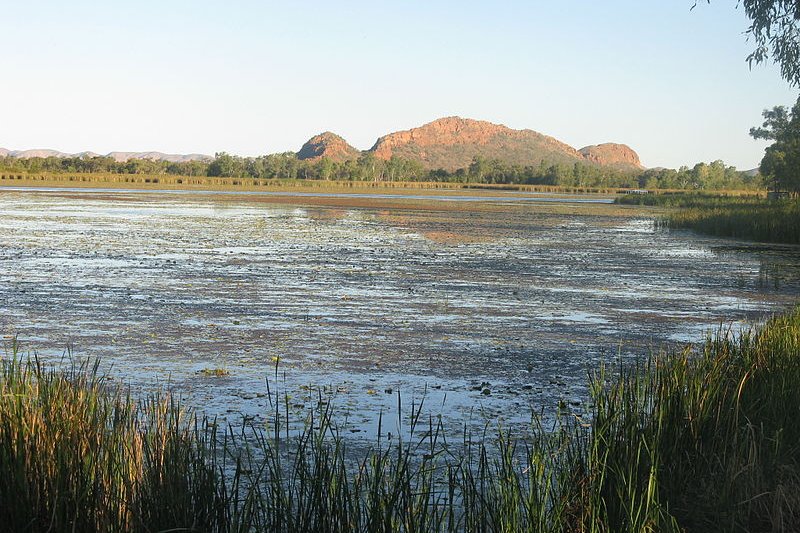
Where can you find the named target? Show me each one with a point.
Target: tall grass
(777, 222)
(76, 456)
(694, 199)
(699, 440)
(170, 182)
(741, 217)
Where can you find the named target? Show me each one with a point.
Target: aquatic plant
(76, 455)
(699, 440)
(215, 372)
(742, 217)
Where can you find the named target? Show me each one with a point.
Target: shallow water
(488, 315)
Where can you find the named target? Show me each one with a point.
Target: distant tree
(478, 168)
(325, 168)
(781, 162)
(226, 166)
(137, 166)
(188, 168)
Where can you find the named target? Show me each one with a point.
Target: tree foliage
(775, 29)
(781, 162)
(702, 176)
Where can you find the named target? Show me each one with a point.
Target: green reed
(705, 439)
(741, 217)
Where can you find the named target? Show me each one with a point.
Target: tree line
(702, 176)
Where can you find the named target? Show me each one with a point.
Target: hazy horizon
(263, 77)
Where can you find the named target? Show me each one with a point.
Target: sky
(255, 77)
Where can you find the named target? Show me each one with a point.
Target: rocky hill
(452, 142)
(328, 145)
(449, 143)
(611, 154)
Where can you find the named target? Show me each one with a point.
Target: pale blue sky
(255, 77)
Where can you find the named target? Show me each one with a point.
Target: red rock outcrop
(451, 143)
(327, 145)
(611, 154)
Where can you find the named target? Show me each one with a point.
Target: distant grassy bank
(747, 217)
(170, 182)
(690, 441)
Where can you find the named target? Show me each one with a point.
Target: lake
(490, 310)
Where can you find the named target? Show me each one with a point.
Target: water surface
(489, 314)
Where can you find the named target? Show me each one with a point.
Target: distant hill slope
(452, 143)
(116, 156)
(328, 145)
(27, 154)
(158, 156)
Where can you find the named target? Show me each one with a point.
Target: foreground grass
(703, 440)
(744, 217)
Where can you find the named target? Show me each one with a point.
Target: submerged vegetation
(742, 217)
(700, 440)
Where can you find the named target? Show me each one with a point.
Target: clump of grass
(217, 372)
(751, 218)
(694, 199)
(777, 221)
(700, 440)
(78, 456)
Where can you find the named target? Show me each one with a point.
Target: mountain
(449, 143)
(452, 143)
(158, 156)
(28, 154)
(328, 145)
(116, 156)
(611, 154)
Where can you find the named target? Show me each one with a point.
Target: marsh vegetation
(425, 369)
(699, 440)
(752, 218)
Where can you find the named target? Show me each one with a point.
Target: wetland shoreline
(697, 440)
(367, 295)
(464, 312)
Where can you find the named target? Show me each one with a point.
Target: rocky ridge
(448, 143)
(451, 143)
